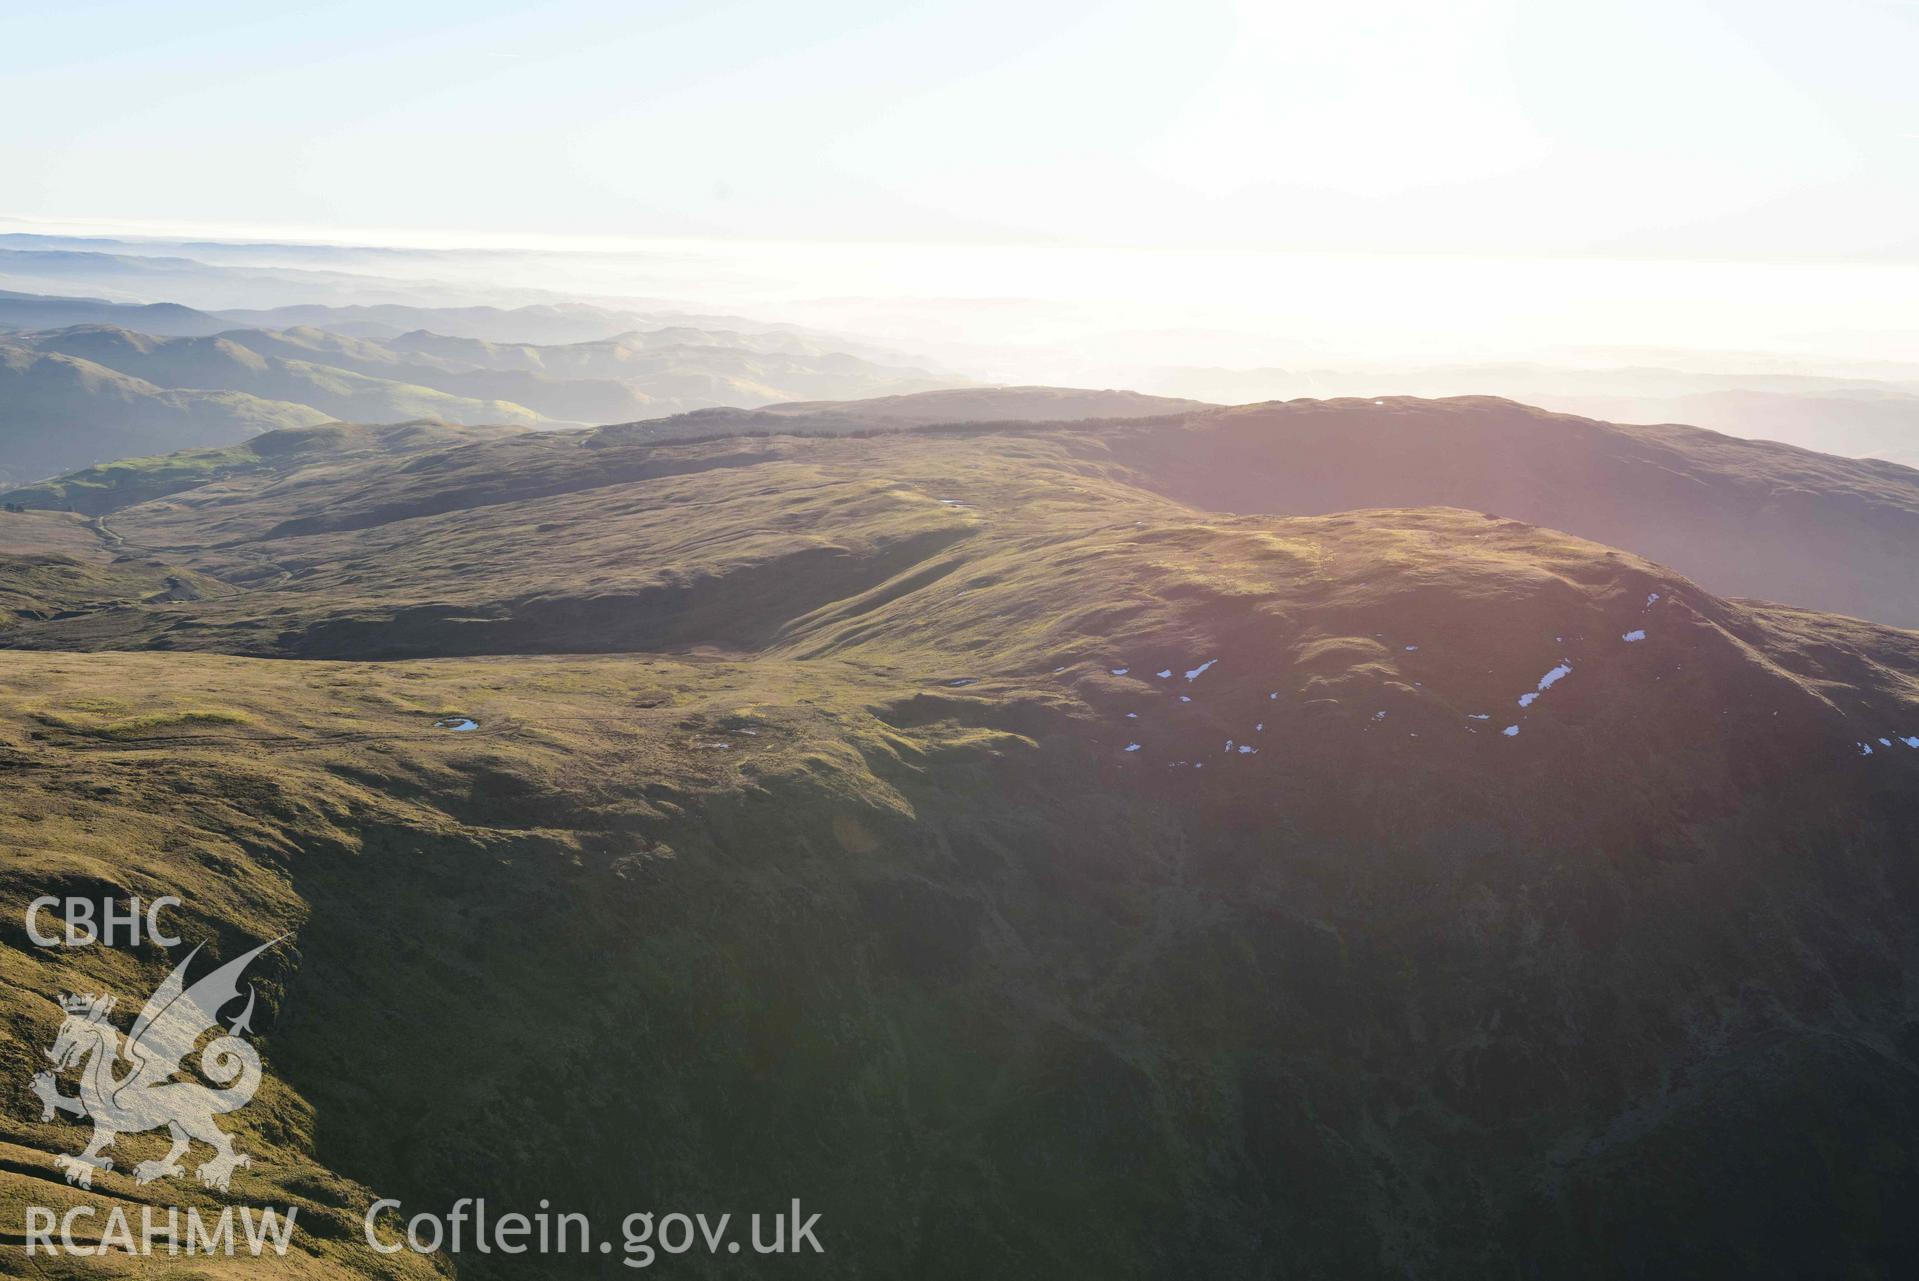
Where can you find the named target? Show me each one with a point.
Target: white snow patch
(1121, 671)
(1132, 747)
(1636, 634)
(1260, 728)
(1511, 731)
(1132, 716)
(1478, 716)
(1556, 675)
(1379, 716)
(1246, 750)
(1865, 749)
(1200, 671)
(1163, 675)
(1185, 698)
(1911, 742)
(1411, 648)
(1526, 699)
(1652, 598)
(458, 724)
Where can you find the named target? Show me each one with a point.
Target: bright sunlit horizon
(1038, 312)
(1074, 190)
(1694, 128)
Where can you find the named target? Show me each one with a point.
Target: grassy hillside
(1744, 517)
(1036, 874)
(952, 964)
(126, 482)
(221, 362)
(58, 412)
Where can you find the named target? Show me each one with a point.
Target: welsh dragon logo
(145, 1096)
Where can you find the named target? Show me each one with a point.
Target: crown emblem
(75, 1003)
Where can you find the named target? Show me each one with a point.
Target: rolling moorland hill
(1036, 874)
(98, 490)
(93, 491)
(229, 362)
(58, 410)
(1744, 517)
(1870, 410)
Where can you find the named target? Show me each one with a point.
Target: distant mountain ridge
(1744, 517)
(56, 410)
(918, 409)
(40, 311)
(306, 374)
(228, 362)
(1866, 410)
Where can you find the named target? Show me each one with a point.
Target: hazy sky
(1744, 128)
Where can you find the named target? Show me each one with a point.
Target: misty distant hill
(542, 325)
(993, 404)
(1863, 422)
(59, 411)
(41, 311)
(226, 363)
(554, 323)
(917, 409)
(1866, 410)
(311, 374)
